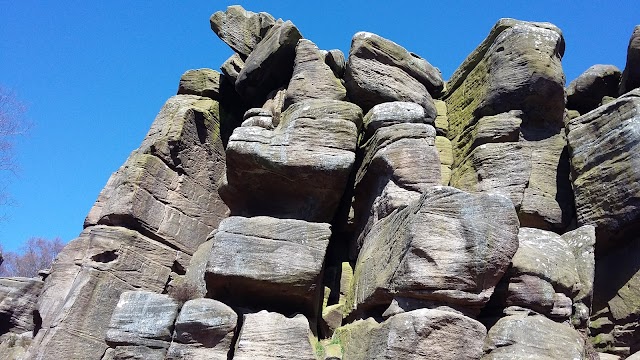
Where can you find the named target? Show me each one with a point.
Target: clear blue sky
(95, 73)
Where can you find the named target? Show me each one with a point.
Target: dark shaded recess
(232, 108)
(105, 257)
(494, 309)
(178, 268)
(37, 322)
(5, 323)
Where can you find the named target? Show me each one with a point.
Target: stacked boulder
(297, 205)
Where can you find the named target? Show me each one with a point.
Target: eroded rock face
(268, 263)
(532, 337)
(505, 107)
(379, 70)
(240, 29)
(299, 169)
(418, 334)
(449, 247)
(631, 75)
(268, 335)
(18, 301)
(585, 93)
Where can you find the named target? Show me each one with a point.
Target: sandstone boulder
(379, 70)
(604, 146)
(18, 302)
(268, 263)
(335, 59)
(631, 75)
(240, 29)
(297, 170)
(418, 334)
(585, 93)
(268, 335)
(203, 330)
(232, 67)
(449, 247)
(532, 337)
(270, 64)
(167, 189)
(312, 78)
(202, 82)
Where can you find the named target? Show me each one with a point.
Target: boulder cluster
(304, 204)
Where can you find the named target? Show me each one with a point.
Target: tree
(12, 125)
(35, 255)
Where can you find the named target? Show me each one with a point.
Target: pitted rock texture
(240, 29)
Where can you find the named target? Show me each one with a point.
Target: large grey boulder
(231, 68)
(585, 93)
(203, 330)
(144, 319)
(400, 161)
(240, 29)
(86, 282)
(379, 70)
(604, 146)
(532, 337)
(505, 106)
(268, 335)
(202, 82)
(168, 186)
(449, 247)
(18, 302)
(631, 74)
(312, 78)
(270, 64)
(418, 334)
(297, 170)
(268, 263)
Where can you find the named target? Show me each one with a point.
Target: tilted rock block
(142, 318)
(203, 330)
(270, 64)
(585, 93)
(267, 335)
(298, 170)
(449, 247)
(379, 70)
(231, 68)
(505, 106)
(336, 61)
(268, 263)
(532, 337)
(18, 301)
(631, 74)
(240, 29)
(167, 189)
(418, 334)
(85, 284)
(312, 78)
(202, 82)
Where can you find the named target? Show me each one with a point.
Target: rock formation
(301, 205)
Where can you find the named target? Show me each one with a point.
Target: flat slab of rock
(631, 75)
(168, 187)
(532, 337)
(449, 247)
(604, 147)
(312, 78)
(240, 29)
(585, 93)
(299, 169)
(418, 334)
(270, 64)
(269, 263)
(204, 329)
(379, 70)
(268, 335)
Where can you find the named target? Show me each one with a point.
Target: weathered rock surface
(379, 70)
(336, 61)
(532, 337)
(18, 301)
(418, 334)
(268, 263)
(312, 78)
(585, 93)
(270, 64)
(167, 189)
(142, 319)
(240, 29)
(505, 106)
(298, 170)
(231, 68)
(267, 335)
(604, 146)
(203, 330)
(450, 247)
(201, 82)
(631, 75)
